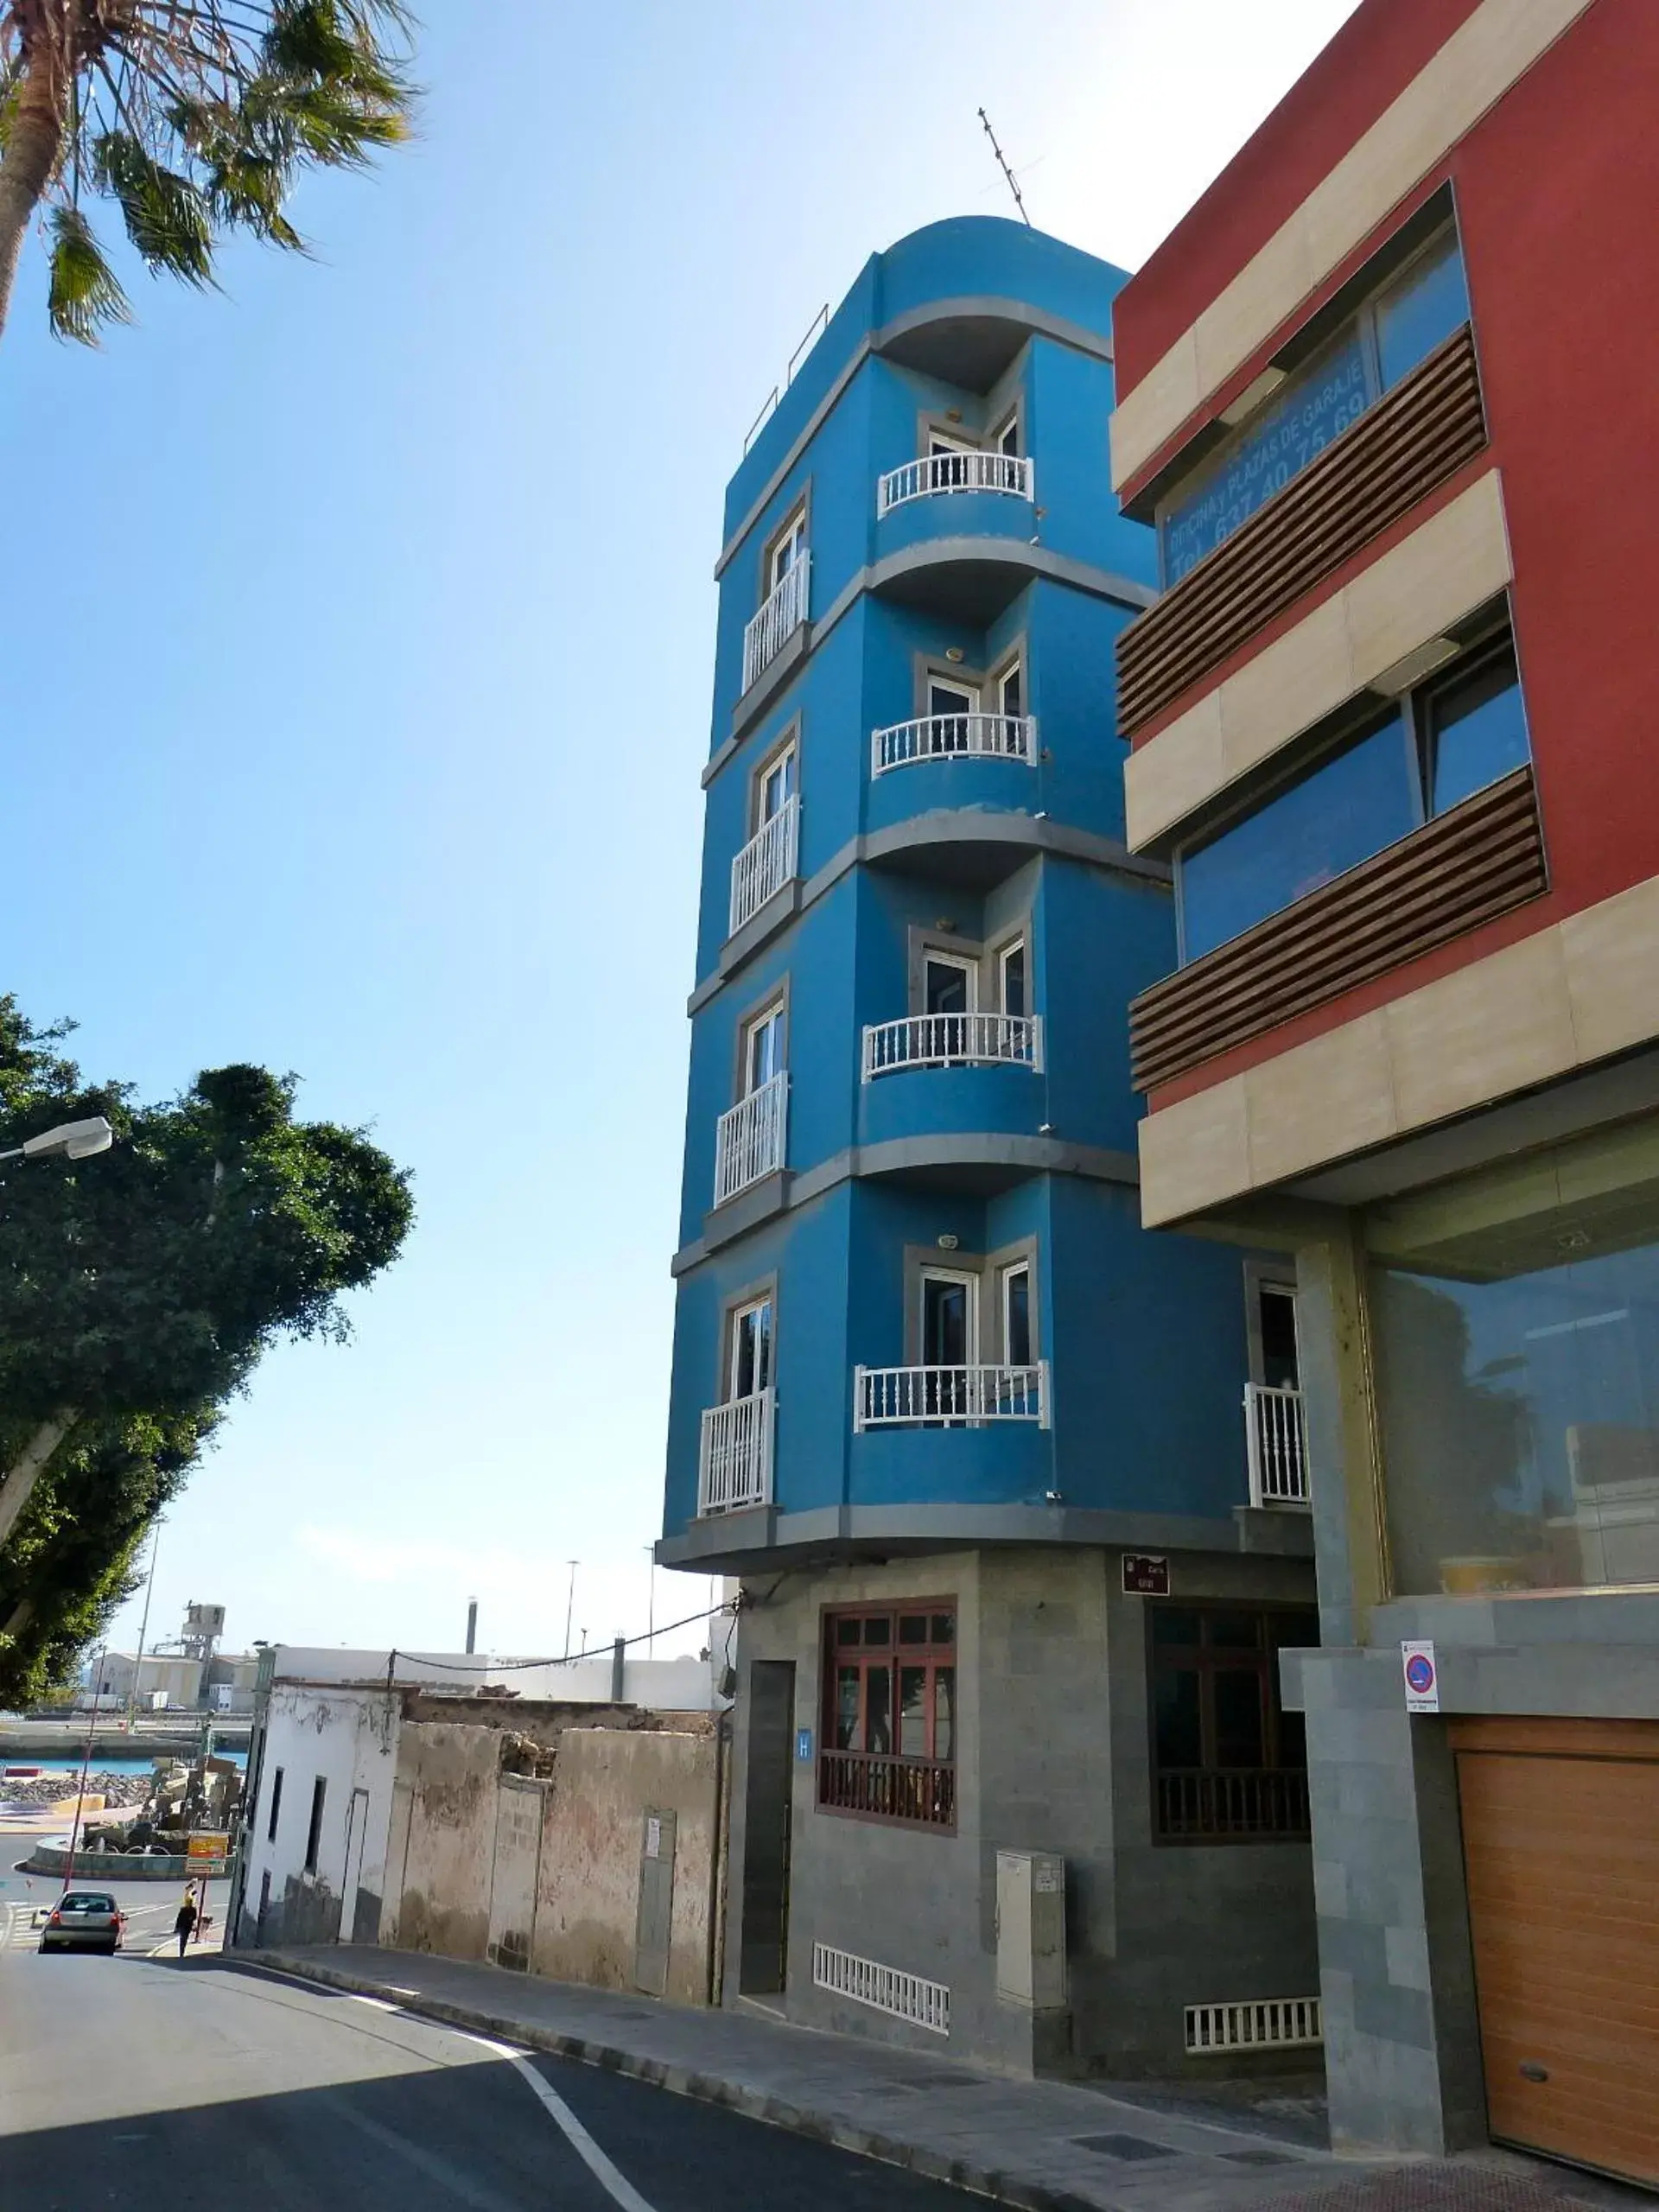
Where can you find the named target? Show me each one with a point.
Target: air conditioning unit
(1031, 1930)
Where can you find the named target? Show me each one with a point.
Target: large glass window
(1340, 812)
(1436, 747)
(889, 1719)
(1518, 1392)
(1394, 330)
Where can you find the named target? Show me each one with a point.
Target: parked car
(84, 1920)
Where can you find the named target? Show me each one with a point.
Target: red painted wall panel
(1556, 192)
(1369, 63)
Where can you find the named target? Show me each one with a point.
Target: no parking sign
(1422, 1678)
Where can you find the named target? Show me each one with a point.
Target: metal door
(653, 1929)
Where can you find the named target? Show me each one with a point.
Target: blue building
(937, 1402)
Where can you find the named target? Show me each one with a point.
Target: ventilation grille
(1381, 465)
(1472, 864)
(1276, 2023)
(906, 1996)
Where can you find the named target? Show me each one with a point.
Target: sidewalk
(1046, 2146)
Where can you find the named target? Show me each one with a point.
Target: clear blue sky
(357, 635)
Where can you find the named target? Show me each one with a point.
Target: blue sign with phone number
(1314, 408)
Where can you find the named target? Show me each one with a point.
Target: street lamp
(69, 1140)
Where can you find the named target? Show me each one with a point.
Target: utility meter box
(1031, 1930)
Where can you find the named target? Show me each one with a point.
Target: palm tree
(196, 117)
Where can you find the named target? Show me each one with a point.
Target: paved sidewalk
(1044, 2146)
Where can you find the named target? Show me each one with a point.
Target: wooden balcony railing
(923, 1790)
(1203, 1805)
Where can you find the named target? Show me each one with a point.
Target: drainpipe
(717, 1867)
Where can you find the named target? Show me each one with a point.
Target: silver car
(84, 1920)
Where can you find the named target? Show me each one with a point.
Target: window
(950, 703)
(1435, 747)
(763, 1049)
(276, 1805)
(1517, 1376)
(1016, 1315)
(1005, 436)
(889, 1716)
(748, 1363)
(1229, 1764)
(1400, 326)
(314, 1834)
(1011, 978)
(774, 786)
(949, 1300)
(950, 462)
(948, 983)
(787, 549)
(1011, 690)
(1273, 1359)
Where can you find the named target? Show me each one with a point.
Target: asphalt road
(138, 2082)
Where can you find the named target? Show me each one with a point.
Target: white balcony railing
(1275, 1433)
(955, 737)
(911, 1397)
(771, 630)
(735, 1461)
(765, 864)
(749, 1140)
(957, 471)
(954, 1041)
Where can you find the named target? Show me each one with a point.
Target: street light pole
(143, 1626)
(570, 1604)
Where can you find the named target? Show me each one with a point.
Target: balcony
(955, 1397)
(771, 630)
(765, 864)
(954, 1041)
(924, 1790)
(750, 1140)
(1203, 1805)
(734, 1454)
(1276, 1431)
(955, 737)
(956, 472)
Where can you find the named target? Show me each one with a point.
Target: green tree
(196, 117)
(137, 1290)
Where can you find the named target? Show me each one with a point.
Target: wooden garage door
(1560, 1839)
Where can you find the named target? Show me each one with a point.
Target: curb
(683, 2082)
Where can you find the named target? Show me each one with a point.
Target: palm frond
(167, 215)
(85, 295)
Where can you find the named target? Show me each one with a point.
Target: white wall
(349, 1737)
(667, 1685)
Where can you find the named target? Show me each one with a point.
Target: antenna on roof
(1003, 163)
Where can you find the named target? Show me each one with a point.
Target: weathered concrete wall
(444, 1804)
(346, 1736)
(518, 1859)
(604, 1785)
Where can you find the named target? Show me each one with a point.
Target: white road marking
(616, 2185)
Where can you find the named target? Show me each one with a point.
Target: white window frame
(735, 1321)
(970, 1279)
(1012, 671)
(773, 1016)
(964, 961)
(1004, 953)
(1004, 1276)
(1007, 429)
(791, 541)
(968, 689)
(940, 441)
(784, 762)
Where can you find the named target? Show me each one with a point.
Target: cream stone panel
(1166, 394)
(1486, 1030)
(1611, 955)
(1331, 1096)
(1286, 688)
(1169, 777)
(1446, 567)
(1194, 1153)
(1479, 62)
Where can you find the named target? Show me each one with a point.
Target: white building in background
(323, 1759)
(172, 1683)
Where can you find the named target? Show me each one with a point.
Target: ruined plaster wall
(443, 1838)
(605, 1784)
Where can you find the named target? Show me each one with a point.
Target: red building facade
(1388, 393)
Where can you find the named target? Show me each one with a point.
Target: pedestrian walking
(184, 1921)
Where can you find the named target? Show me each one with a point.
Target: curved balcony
(953, 1040)
(954, 737)
(956, 472)
(949, 1397)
